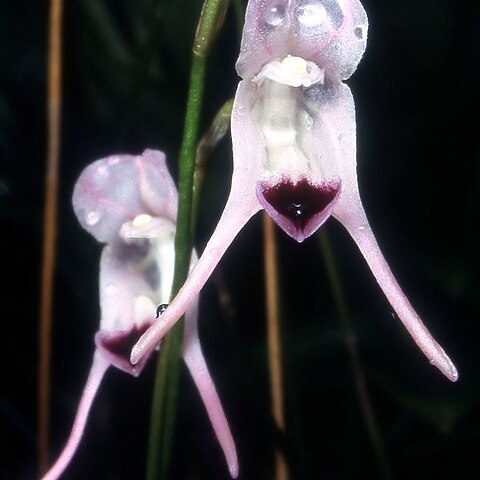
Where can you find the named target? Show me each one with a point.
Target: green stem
(355, 360)
(164, 403)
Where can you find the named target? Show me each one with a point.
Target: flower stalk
(274, 339)
(54, 105)
(164, 403)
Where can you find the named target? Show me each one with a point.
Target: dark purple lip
(298, 208)
(117, 345)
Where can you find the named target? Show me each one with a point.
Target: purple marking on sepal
(115, 346)
(299, 208)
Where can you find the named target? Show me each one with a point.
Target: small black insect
(161, 308)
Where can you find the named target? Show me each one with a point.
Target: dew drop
(308, 121)
(113, 160)
(312, 14)
(102, 170)
(274, 16)
(160, 309)
(361, 228)
(296, 209)
(359, 32)
(92, 218)
(300, 202)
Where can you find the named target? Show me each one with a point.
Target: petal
(115, 347)
(355, 221)
(158, 267)
(331, 140)
(99, 367)
(301, 147)
(299, 208)
(195, 361)
(331, 33)
(136, 273)
(124, 287)
(116, 189)
(157, 187)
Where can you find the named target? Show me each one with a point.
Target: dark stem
(54, 104)
(274, 338)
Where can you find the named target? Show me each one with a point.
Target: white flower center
(141, 220)
(291, 71)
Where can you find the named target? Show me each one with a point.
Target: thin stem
(164, 404)
(274, 337)
(168, 367)
(54, 103)
(355, 360)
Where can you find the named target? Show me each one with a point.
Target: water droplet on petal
(92, 218)
(102, 170)
(312, 14)
(160, 309)
(274, 16)
(113, 160)
(361, 228)
(296, 209)
(299, 203)
(359, 32)
(308, 121)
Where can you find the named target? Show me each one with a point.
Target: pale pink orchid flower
(130, 203)
(294, 147)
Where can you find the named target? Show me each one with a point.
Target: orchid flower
(130, 203)
(294, 151)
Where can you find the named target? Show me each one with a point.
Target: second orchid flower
(130, 203)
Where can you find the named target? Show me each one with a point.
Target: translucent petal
(331, 33)
(115, 189)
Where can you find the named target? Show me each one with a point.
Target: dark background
(125, 75)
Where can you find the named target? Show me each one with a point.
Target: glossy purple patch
(116, 347)
(298, 208)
